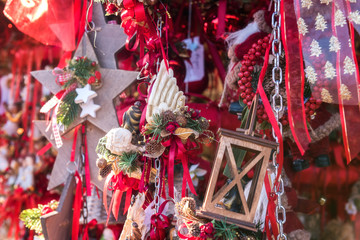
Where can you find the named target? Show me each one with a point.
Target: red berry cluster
(247, 67)
(311, 106)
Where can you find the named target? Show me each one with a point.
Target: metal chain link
(157, 184)
(277, 106)
(85, 211)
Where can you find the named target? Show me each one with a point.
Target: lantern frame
(247, 140)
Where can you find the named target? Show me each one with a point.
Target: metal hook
(139, 77)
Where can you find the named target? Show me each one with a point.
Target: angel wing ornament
(164, 93)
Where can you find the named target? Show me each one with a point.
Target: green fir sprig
(226, 231)
(68, 109)
(155, 128)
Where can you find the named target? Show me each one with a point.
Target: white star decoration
(89, 109)
(84, 94)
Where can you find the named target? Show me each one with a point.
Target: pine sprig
(82, 69)
(156, 126)
(128, 162)
(224, 230)
(31, 218)
(194, 124)
(68, 109)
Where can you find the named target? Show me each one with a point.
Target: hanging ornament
(113, 82)
(225, 197)
(84, 94)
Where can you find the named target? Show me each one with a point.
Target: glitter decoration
(306, 4)
(303, 29)
(340, 19)
(330, 71)
(320, 23)
(325, 1)
(315, 48)
(349, 66)
(326, 96)
(335, 44)
(344, 92)
(354, 17)
(311, 75)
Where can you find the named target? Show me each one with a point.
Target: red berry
(260, 41)
(244, 80)
(312, 106)
(248, 90)
(264, 116)
(312, 100)
(91, 80)
(251, 51)
(307, 110)
(93, 64)
(258, 54)
(250, 68)
(249, 104)
(260, 120)
(318, 102)
(307, 104)
(248, 98)
(242, 89)
(252, 94)
(253, 63)
(243, 68)
(264, 45)
(263, 51)
(243, 95)
(247, 73)
(248, 63)
(254, 45)
(241, 74)
(97, 74)
(245, 56)
(248, 85)
(266, 39)
(258, 48)
(311, 112)
(244, 101)
(249, 79)
(252, 57)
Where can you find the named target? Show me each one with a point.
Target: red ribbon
(177, 151)
(271, 208)
(159, 223)
(294, 77)
(187, 236)
(87, 166)
(120, 183)
(77, 208)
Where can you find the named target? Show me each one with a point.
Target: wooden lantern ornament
(244, 156)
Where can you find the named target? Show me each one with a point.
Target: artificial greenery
(31, 217)
(224, 230)
(194, 124)
(126, 162)
(155, 128)
(82, 68)
(68, 109)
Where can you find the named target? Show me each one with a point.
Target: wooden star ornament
(107, 38)
(113, 81)
(59, 171)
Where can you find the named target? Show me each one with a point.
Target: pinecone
(194, 229)
(168, 116)
(181, 120)
(101, 163)
(204, 123)
(105, 171)
(152, 147)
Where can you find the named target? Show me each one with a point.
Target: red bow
(177, 151)
(159, 223)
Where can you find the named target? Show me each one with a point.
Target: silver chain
(85, 211)
(277, 106)
(157, 184)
